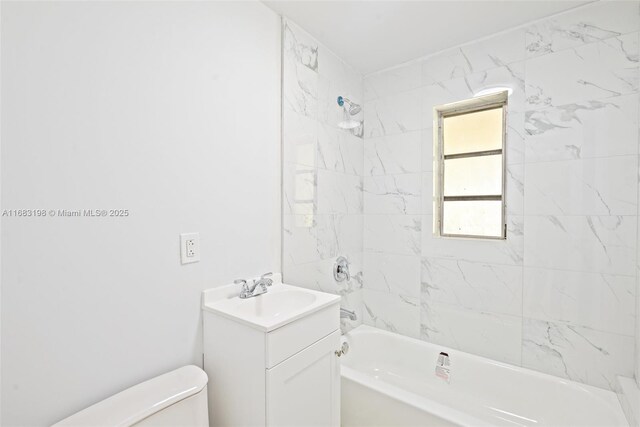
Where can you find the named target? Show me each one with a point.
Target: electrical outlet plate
(189, 247)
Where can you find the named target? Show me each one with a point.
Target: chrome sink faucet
(258, 287)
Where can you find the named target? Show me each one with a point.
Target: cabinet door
(304, 390)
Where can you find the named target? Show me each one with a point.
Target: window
(469, 168)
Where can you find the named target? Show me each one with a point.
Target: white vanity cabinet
(272, 363)
(304, 390)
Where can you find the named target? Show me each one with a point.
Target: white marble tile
(628, 393)
(511, 76)
(582, 130)
(396, 234)
(498, 50)
(395, 313)
(514, 187)
(349, 229)
(397, 113)
(299, 189)
(393, 154)
(577, 353)
(428, 203)
(599, 301)
(509, 251)
(392, 81)
(600, 186)
(427, 137)
(339, 150)
(462, 88)
(344, 76)
(299, 240)
(600, 244)
(338, 192)
(328, 110)
(598, 21)
(353, 148)
(334, 78)
(515, 145)
(593, 71)
(637, 336)
(301, 90)
(495, 336)
(395, 274)
(392, 194)
(339, 234)
(300, 71)
(483, 55)
(447, 65)
(310, 238)
(299, 134)
(476, 286)
(439, 94)
(299, 45)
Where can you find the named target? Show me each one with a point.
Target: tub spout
(347, 314)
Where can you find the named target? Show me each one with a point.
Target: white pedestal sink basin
(282, 304)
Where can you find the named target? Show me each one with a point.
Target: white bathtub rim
(448, 413)
(608, 395)
(412, 399)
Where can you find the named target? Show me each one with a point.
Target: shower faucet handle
(341, 270)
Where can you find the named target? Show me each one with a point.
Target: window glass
(470, 176)
(472, 132)
(473, 218)
(469, 168)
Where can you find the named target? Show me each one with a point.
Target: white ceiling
(374, 35)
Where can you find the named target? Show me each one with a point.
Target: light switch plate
(189, 247)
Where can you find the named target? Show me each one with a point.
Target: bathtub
(389, 380)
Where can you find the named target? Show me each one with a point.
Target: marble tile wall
(559, 295)
(322, 170)
(637, 360)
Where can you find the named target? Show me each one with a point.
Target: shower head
(351, 106)
(354, 109)
(349, 109)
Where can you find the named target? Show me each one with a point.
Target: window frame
(481, 103)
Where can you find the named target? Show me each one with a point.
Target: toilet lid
(140, 401)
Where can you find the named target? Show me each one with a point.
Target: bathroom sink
(275, 304)
(280, 305)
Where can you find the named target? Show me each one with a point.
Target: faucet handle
(242, 282)
(266, 276)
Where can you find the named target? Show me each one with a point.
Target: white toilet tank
(177, 398)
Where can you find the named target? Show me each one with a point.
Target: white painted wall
(170, 110)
